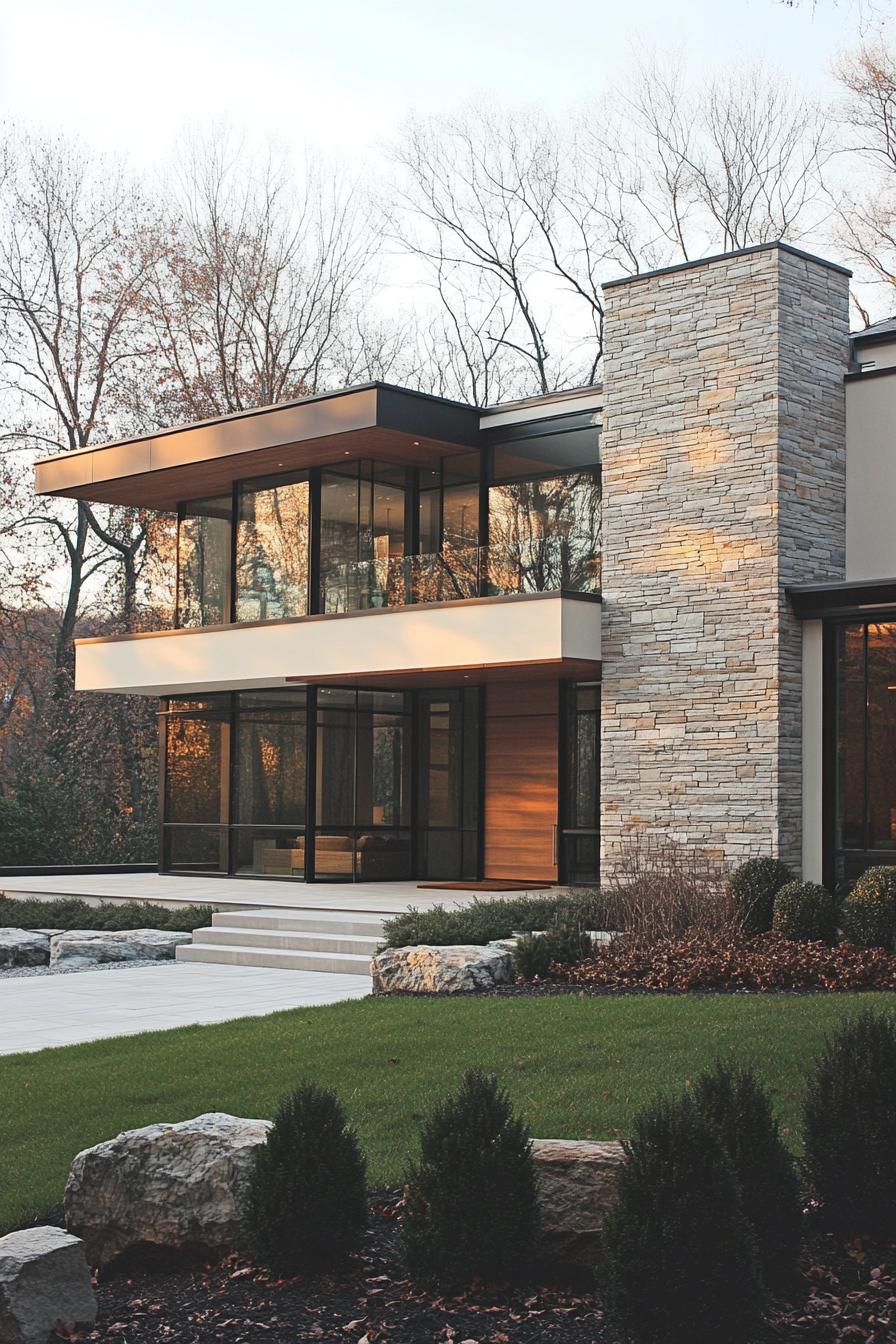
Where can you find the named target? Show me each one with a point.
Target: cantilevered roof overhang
(157, 471)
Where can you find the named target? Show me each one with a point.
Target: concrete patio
(383, 898)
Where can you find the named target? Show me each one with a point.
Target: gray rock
(575, 1187)
(44, 1283)
(180, 1186)
(84, 947)
(24, 947)
(440, 970)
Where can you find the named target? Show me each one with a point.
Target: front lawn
(576, 1067)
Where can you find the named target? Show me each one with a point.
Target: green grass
(576, 1067)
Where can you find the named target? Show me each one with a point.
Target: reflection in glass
(447, 774)
(194, 769)
(581, 800)
(851, 737)
(545, 535)
(362, 533)
(271, 750)
(195, 849)
(272, 549)
(882, 736)
(203, 562)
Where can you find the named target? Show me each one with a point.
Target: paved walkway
(43, 1010)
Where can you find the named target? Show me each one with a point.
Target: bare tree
(259, 283)
(72, 267)
(516, 220)
(867, 203)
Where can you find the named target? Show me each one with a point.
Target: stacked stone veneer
(724, 481)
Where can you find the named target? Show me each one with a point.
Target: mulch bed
(849, 1298)
(372, 1303)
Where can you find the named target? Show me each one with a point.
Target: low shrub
(470, 1199)
(697, 962)
(805, 912)
(655, 888)
(71, 913)
(734, 1101)
(753, 887)
(869, 911)
(535, 953)
(482, 921)
(307, 1199)
(680, 1262)
(849, 1126)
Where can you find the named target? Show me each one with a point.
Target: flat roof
(159, 470)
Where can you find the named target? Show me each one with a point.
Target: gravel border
(25, 972)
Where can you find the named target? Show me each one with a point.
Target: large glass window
(272, 549)
(271, 783)
(544, 514)
(196, 785)
(363, 785)
(448, 784)
(865, 813)
(581, 784)
(362, 536)
(203, 562)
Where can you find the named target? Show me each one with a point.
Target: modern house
(416, 639)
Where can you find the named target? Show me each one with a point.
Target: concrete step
(289, 940)
(302, 921)
(343, 963)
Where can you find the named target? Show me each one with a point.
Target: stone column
(724, 481)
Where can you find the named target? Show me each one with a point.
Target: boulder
(90, 947)
(440, 970)
(181, 1187)
(24, 947)
(575, 1186)
(44, 1284)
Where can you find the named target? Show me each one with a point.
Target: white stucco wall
(813, 838)
(408, 639)
(871, 478)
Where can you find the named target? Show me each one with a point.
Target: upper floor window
(273, 548)
(203, 568)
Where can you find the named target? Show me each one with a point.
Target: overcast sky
(342, 75)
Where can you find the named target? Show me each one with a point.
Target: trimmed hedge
(736, 1103)
(869, 912)
(680, 1263)
(470, 1208)
(71, 913)
(482, 922)
(753, 887)
(849, 1127)
(805, 912)
(307, 1196)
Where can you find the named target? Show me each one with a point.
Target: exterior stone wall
(724, 481)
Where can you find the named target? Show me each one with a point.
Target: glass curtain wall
(203, 562)
(273, 548)
(333, 783)
(865, 747)
(447, 562)
(544, 514)
(580, 800)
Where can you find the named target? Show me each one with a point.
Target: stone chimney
(724, 481)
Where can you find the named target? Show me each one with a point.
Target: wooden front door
(521, 780)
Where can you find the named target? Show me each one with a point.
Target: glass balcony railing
(551, 565)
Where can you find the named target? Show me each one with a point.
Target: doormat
(493, 884)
